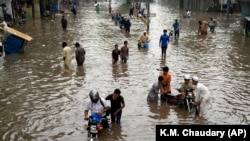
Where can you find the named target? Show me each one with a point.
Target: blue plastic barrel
(56, 8)
(146, 45)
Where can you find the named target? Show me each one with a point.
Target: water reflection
(163, 61)
(80, 71)
(116, 133)
(115, 71)
(67, 73)
(124, 70)
(160, 109)
(175, 41)
(120, 70)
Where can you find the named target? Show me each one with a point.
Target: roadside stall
(15, 41)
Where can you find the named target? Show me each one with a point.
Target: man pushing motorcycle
(201, 95)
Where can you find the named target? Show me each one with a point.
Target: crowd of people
(161, 88)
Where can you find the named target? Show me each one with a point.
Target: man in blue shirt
(163, 43)
(176, 26)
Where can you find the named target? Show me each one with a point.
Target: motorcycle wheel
(92, 135)
(194, 109)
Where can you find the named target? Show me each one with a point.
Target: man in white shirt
(96, 105)
(201, 95)
(67, 55)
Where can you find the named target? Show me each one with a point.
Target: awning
(18, 34)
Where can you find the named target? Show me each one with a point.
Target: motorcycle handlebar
(189, 90)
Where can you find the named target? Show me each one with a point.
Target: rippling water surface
(41, 100)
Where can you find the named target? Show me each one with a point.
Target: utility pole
(33, 9)
(148, 15)
(228, 4)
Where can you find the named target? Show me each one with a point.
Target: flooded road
(40, 100)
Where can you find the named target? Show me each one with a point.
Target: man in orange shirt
(165, 86)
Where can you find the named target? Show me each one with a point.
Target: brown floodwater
(40, 100)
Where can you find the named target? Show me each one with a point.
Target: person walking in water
(124, 52)
(73, 8)
(165, 88)
(117, 104)
(203, 25)
(127, 26)
(155, 90)
(110, 9)
(115, 54)
(176, 27)
(64, 23)
(97, 7)
(80, 54)
(212, 24)
(163, 43)
(67, 55)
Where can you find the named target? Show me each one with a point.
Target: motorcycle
(187, 102)
(95, 125)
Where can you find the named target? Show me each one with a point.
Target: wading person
(117, 104)
(212, 24)
(144, 38)
(187, 84)
(124, 52)
(166, 84)
(73, 8)
(115, 54)
(127, 26)
(176, 27)
(80, 54)
(155, 90)
(163, 43)
(201, 95)
(97, 6)
(203, 25)
(64, 23)
(67, 55)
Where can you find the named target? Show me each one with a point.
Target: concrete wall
(245, 9)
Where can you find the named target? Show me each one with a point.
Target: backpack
(104, 122)
(108, 111)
